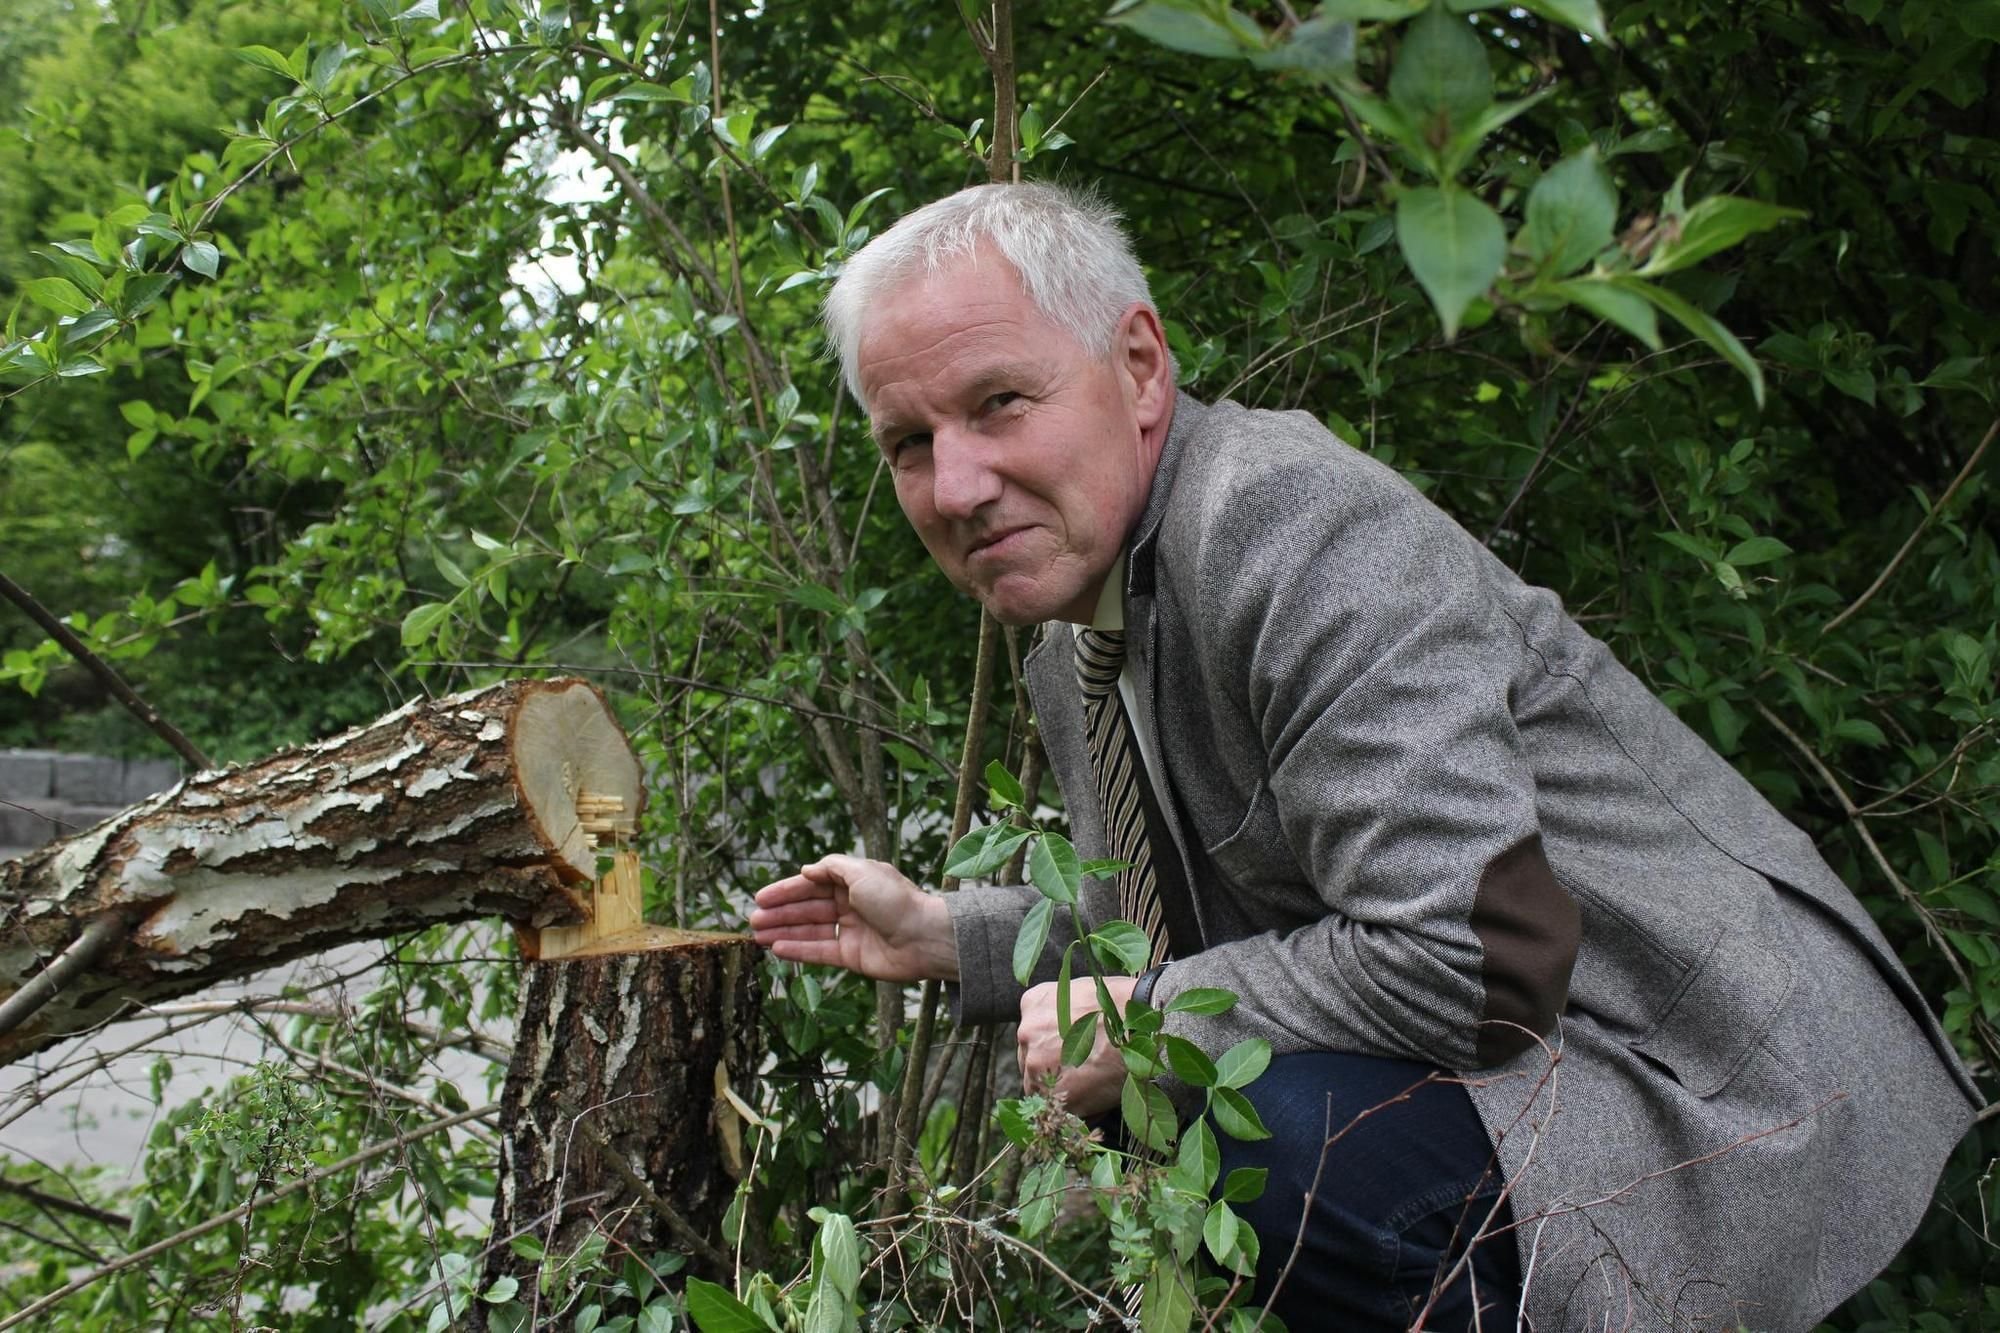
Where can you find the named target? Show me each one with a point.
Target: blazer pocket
(1726, 1004)
(1256, 848)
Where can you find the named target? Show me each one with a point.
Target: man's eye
(917, 440)
(1001, 399)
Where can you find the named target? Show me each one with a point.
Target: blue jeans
(1382, 1213)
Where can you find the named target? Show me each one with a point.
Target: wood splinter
(617, 921)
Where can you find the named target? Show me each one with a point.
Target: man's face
(1022, 459)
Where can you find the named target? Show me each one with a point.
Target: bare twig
(104, 931)
(55, 1202)
(1860, 823)
(102, 669)
(1909, 544)
(666, 1212)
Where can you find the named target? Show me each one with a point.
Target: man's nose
(962, 476)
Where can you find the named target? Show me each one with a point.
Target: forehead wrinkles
(922, 374)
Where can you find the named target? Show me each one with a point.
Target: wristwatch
(1142, 989)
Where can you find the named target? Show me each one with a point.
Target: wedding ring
(836, 932)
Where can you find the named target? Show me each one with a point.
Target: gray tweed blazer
(1423, 812)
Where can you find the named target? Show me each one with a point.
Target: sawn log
(444, 810)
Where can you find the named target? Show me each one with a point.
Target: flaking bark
(424, 816)
(613, 1117)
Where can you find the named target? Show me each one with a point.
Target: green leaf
(1583, 15)
(201, 257)
(1034, 934)
(715, 1309)
(1455, 246)
(681, 91)
(1371, 11)
(984, 850)
(1200, 1158)
(840, 1253)
(1202, 1000)
(1243, 1062)
(1004, 787)
(1147, 1114)
(1467, 137)
(1236, 1117)
(265, 58)
(1861, 730)
(1017, 1119)
(1041, 1191)
(1627, 309)
(1179, 29)
(817, 598)
(1757, 551)
(1716, 223)
(423, 621)
(1705, 551)
(1245, 1184)
(1122, 948)
(1703, 326)
(142, 291)
(1442, 77)
(503, 1289)
(138, 412)
(1080, 1039)
(1053, 868)
(85, 275)
(57, 294)
(1189, 1062)
(1168, 1305)
(1218, 1232)
(1572, 214)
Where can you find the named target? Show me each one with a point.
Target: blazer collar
(1186, 423)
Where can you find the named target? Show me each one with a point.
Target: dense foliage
(360, 349)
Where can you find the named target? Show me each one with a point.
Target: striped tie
(1115, 762)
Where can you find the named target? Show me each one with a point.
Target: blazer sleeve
(985, 919)
(1359, 635)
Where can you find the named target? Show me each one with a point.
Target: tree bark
(614, 1117)
(444, 810)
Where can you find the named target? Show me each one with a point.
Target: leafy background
(363, 349)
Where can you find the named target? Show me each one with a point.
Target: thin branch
(103, 932)
(238, 1213)
(55, 1202)
(101, 669)
(1860, 823)
(1896, 561)
(666, 1212)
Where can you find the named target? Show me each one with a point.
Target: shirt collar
(1110, 612)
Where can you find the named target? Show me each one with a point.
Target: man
(1402, 806)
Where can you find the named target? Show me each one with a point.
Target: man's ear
(1147, 367)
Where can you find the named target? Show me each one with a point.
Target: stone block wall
(45, 795)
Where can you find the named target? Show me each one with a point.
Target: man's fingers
(819, 910)
(795, 888)
(810, 932)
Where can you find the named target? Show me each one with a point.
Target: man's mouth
(994, 542)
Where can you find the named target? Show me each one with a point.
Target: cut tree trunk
(623, 1111)
(444, 810)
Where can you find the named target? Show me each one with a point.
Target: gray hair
(1075, 261)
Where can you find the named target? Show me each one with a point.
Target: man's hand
(1092, 1086)
(862, 915)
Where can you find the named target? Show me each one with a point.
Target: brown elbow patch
(1528, 929)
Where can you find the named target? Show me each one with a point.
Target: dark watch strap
(1142, 990)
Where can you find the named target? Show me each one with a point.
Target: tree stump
(632, 1057)
(446, 809)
